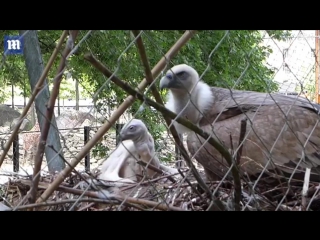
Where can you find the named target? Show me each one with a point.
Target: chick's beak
(121, 137)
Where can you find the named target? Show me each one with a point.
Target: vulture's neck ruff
(188, 96)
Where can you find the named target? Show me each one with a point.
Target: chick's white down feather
(137, 144)
(121, 162)
(137, 131)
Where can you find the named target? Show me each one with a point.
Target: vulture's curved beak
(164, 83)
(170, 82)
(122, 137)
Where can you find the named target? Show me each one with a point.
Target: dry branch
(148, 181)
(237, 187)
(305, 189)
(152, 167)
(159, 206)
(50, 111)
(33, 96)
(149, 78)
(115, 116)
(114, 198)
(243, 130)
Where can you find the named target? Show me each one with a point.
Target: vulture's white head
(188, 96)
(180, 78)
(133, 130)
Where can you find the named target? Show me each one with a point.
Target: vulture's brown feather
(266, 116)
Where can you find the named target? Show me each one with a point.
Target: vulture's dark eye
(182, 75)
(131, 127)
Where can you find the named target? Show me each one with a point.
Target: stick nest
(76, 194)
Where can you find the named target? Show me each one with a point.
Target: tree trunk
(33, 115)
(12, 94)
(59, 105)
(34, 64)
(24, 93)
(77, 95)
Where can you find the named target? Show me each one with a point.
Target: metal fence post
(86, 139)
(15, 157)
(119, 126)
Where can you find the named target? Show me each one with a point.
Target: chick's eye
(131, 127)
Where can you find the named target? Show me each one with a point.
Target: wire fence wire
(89, 104)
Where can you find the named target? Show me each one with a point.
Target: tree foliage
(239, 55)
(234, 59)
(13, 69)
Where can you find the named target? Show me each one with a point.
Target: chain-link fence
(244, 137)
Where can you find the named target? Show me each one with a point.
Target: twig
(243, 130)
(86, 207)
(153, 168)
(36, 90)
(115, 116)
(193, 187)
(231, 144)
(147, 182)
(194, 200)
(156, 205)
(149, 78)
(159, 206)
(237, 186)
(314, 195)
(305, 189)
(46, 125)
(52, 203)
(95, 198)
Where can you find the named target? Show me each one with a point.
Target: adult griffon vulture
(289, 126)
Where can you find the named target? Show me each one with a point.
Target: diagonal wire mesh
(267, 141)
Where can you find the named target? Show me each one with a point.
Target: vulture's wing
(231, 103)
(265, 123)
